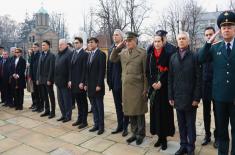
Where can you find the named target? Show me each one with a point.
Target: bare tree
(137, 12)
(111, 15)
(58, 24)
(8, 30)
(183, 16)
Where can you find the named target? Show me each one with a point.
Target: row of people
(170, 77)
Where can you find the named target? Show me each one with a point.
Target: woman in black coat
(161, 112)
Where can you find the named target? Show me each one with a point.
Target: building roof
(42, 10)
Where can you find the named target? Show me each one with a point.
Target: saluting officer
(134, 84)
(222, 55)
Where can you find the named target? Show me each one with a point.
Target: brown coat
(134, 81)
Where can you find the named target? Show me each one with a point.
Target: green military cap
(131, 35)
(226, 18)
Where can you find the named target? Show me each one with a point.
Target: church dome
(42, 11)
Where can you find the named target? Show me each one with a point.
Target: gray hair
(63, 41)
(184, 33)
(120, 32)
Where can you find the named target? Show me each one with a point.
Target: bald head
(63, 44)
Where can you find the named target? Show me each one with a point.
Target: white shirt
(78, 50)
(231, 43)
(94, 51)
(16, 61)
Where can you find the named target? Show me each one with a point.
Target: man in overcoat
(134, 84)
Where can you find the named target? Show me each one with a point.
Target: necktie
(229, 49)
(91, 58)
(43, 56)
(74, 56)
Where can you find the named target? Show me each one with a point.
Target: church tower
(42, 19)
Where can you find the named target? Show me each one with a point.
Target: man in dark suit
(5, 73)
(222, 55)
(36, 96)
(45, 79)
(1, 51)
(114, 71)
(184, 92)
(62, 64)
(77, 75)
(207, 77)
(17, 79)
(95, 84)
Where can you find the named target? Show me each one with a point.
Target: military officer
(134, 84)
(222, 55)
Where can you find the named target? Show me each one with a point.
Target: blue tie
(228, 49)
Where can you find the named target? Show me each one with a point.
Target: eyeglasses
(75, 42)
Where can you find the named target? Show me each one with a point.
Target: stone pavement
(26, 133)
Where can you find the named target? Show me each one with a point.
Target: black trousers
(98, 111)
(138, 126)
(207, 117)
(45, 91)
(82, 105)
(65, 102)
(187, 128)
(122, 120)
(225, 112)
(36, 96)
(18, 97)
(7, 93)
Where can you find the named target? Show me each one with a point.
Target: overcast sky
(74, 9)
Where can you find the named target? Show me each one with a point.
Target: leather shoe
(81, 126)
(191, 153)
(100, 132)
(139, 141)
(45, 114)
(181, 151)
(164, 146)
(66, 120)
(78, 122)
(18, 108)
(206, 140)
(61, 119)
(35, 110)
(52, 115)
(93, 129)
(5, 105)
(40, 110)
(116, 131)
(158, 143)
(215, 144)
(124, 133)
(131, 139)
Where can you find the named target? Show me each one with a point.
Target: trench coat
(134, 81)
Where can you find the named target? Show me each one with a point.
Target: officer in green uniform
(134, 84)
(222, 54)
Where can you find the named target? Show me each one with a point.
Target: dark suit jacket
(46, 67)
(34, 65)
(62, 64)
(184, 80)
(5, 70)
(78, 69)
(96, 74)
(20, 70)
(114, 71)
